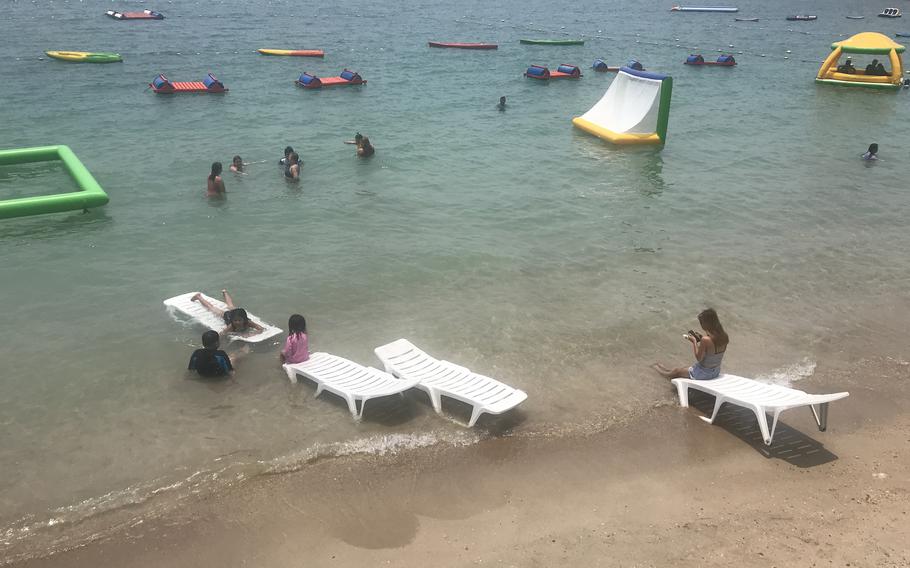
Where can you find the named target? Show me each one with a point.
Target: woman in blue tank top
(708, 349)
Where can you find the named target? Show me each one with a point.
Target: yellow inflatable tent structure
(866, 43)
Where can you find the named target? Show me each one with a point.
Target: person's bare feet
(196, 297)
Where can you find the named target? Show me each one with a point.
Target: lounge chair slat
(347, 379)
(442, 378)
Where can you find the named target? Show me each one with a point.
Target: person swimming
(871, 153)
(237, 165)
(214, 183)
(287, 152)
(365, 148)
(502, 103)
(292, 167)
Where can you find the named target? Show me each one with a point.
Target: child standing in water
(297, 345)
(215, 185)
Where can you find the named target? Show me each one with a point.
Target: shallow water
(508, 242)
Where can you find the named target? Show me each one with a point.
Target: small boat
(745, 19)
(85, 56)
(704, 9)
(855, 17)
(143, 15)
(890, 13)
(802, 18)
(293, 52)
(450, 45)
(552, 41)
(902, 34)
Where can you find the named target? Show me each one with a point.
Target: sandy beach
(665, 490)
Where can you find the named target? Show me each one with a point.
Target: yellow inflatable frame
(864, 43)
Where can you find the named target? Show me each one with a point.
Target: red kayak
(464, 45)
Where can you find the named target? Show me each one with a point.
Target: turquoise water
(508, 242)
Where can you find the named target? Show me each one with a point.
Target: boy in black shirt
(211, 361)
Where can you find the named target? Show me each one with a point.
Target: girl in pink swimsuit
(296, 346)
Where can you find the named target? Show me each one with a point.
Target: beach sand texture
(666, 490)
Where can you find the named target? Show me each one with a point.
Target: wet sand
(667, 489)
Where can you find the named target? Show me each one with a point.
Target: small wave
(158, 495)
(387, 444)
(789, 374)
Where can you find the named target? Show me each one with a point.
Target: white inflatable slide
(634, 110)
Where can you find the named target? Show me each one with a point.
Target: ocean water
(506, 241)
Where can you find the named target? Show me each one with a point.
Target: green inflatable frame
(90, 193)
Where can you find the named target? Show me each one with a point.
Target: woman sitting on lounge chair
(709, 350)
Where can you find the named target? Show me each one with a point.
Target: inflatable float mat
(347, 77)
(464, 45)
(749, 19)
(565, 71)
(722, 61)
(143, 15)
(293, 52)
(198, 313)
(164, 86)
(85, 56)
(801, 18)
(552, 41)
(538, 72)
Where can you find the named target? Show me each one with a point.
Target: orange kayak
(293, 52)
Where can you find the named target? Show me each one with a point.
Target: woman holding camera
(709, 350)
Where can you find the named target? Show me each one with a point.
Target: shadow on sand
(790, 444)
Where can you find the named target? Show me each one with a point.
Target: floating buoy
(788, 51)
(730, 46)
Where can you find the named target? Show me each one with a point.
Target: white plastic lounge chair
(438, 378)
(349, 380)
(760, 398)
(200, 314)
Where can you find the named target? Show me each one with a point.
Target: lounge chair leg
(292, 376)
(318, 390)
(821, 415)
(352, 406)
(436, 399)
(363, 404)
(763, 424)
(683, 391)
(475, 414)
(718, 402)
(774, 424)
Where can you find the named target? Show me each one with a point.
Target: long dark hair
(240, 313)
(296, 324)
(216, 171)
(711, 323)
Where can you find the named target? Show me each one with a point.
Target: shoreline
(664, 489)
